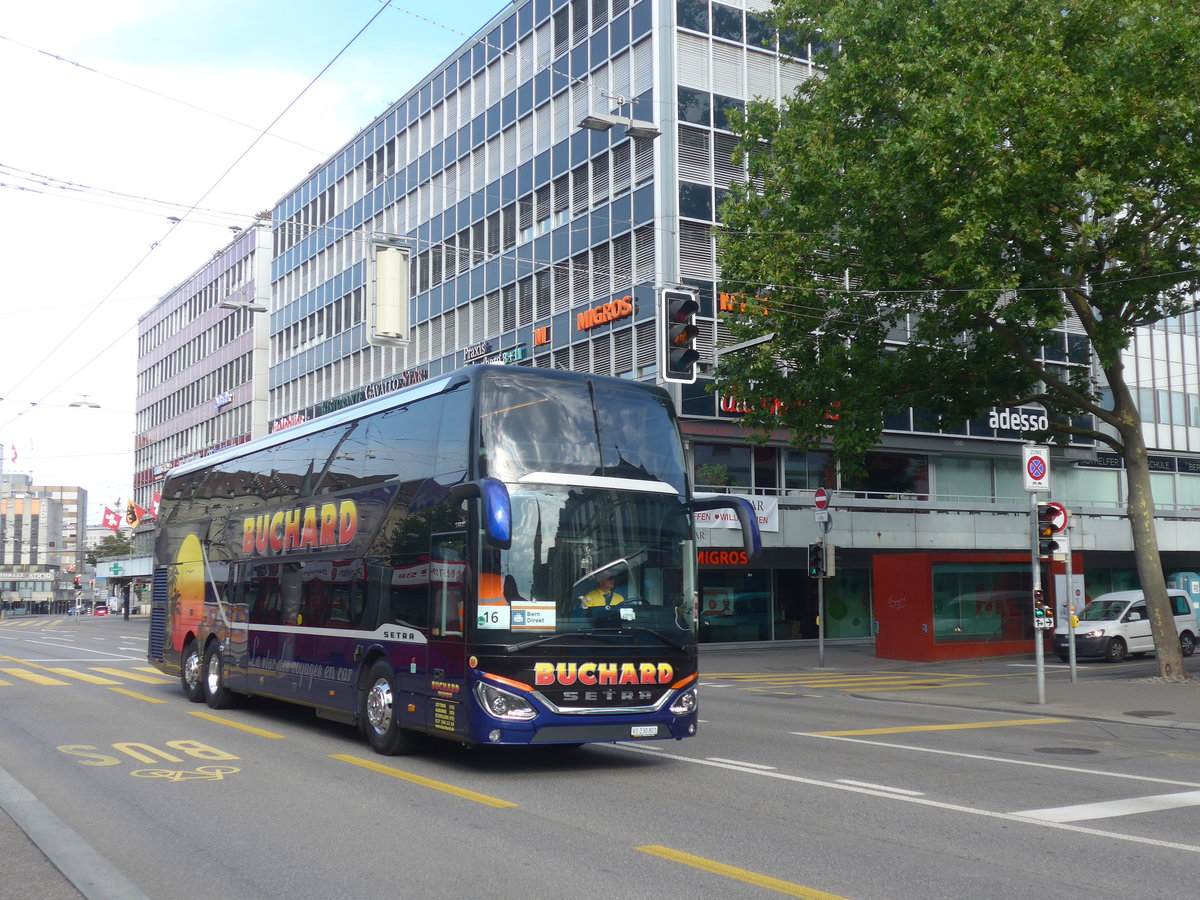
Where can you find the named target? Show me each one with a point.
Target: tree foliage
(964, 177)
(117, 544)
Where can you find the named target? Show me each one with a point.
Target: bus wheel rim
(379, 705)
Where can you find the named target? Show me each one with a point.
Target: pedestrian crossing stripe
(134, 676)
(52, 676)
(35, 677)
(83, 676)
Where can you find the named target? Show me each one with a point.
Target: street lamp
(635, 128)
(85, 403)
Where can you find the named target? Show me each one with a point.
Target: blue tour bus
(502, 555)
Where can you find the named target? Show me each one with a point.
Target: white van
(1117, 624)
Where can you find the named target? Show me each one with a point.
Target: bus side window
(447, 583)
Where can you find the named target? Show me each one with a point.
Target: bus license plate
(643, 731)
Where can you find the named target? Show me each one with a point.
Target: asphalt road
(802, 784)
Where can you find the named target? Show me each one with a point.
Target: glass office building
(545, 183)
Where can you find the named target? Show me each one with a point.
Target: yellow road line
(132, 675)
(912, 687)
(423, 781)
(34, 677)
(914, 728)
(250, 728)
(4, 683)
(137, 696)
(744, 875)
(83, 676)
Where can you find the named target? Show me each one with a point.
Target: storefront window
(722, 465)
(890, 476)
(848, 604)
(982, 602)
(807, 471)
(1087, 487)
(964, 478)
(735, 606)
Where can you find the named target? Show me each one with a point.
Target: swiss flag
(110, 520)
(154, 501)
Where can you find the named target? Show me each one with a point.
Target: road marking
(881, 787)
(1109, 809)
(1006, 723)
(137, 696)
(250, 728)
(1000, 759)
(913, 687)
(423, 781)
(132, 675)
(919, 801)
(34, 677)
(738, 762)
(745, 876)
(83, 676)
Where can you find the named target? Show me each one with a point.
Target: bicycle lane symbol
(203, 773)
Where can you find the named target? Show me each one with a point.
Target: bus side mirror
(496, 508)
(747, 518)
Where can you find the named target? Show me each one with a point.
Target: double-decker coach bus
(503, 555)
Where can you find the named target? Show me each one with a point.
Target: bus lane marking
(745, 876)
(919, 801)
(421, 780)
(232, 724)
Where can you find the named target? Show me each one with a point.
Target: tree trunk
(1149, 562)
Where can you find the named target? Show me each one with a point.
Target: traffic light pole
(1039, 654)
(821, 612)
(1068, 607)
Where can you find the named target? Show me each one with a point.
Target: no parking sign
(1036, 467)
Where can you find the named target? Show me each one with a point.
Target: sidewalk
(1130, 692)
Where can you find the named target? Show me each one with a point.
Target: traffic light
(76, 582)
(1039, 604)
(816, 560)
(678, 329)
(1047, 546)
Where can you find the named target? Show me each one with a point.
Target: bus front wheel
(379, 715)
(189, 672)
(216, 694)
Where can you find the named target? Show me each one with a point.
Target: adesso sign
(1018, 420)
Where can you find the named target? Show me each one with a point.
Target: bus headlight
(501, 703)
(685, 704)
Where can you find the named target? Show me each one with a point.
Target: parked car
(1114, 625)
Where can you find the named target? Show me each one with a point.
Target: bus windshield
(601, 427)
(588, 559)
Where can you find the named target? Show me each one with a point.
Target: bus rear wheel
(379, 716)
(189, 672)
(216, 694)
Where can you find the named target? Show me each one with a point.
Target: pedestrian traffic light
(816, 560)
(677, 324)
(1047, 546)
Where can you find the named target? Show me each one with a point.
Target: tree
(117, 544)
(968, 176)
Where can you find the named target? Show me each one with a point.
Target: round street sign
(1060, 516)
(821, 498)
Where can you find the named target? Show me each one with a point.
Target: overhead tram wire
(196, 205)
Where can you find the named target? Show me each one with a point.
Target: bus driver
(603, 594)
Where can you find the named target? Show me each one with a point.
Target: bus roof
(380, 404)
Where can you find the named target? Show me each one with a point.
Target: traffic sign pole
(1039, 654)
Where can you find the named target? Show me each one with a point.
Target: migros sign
(612, 311)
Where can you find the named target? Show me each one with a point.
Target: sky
(121, 115)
